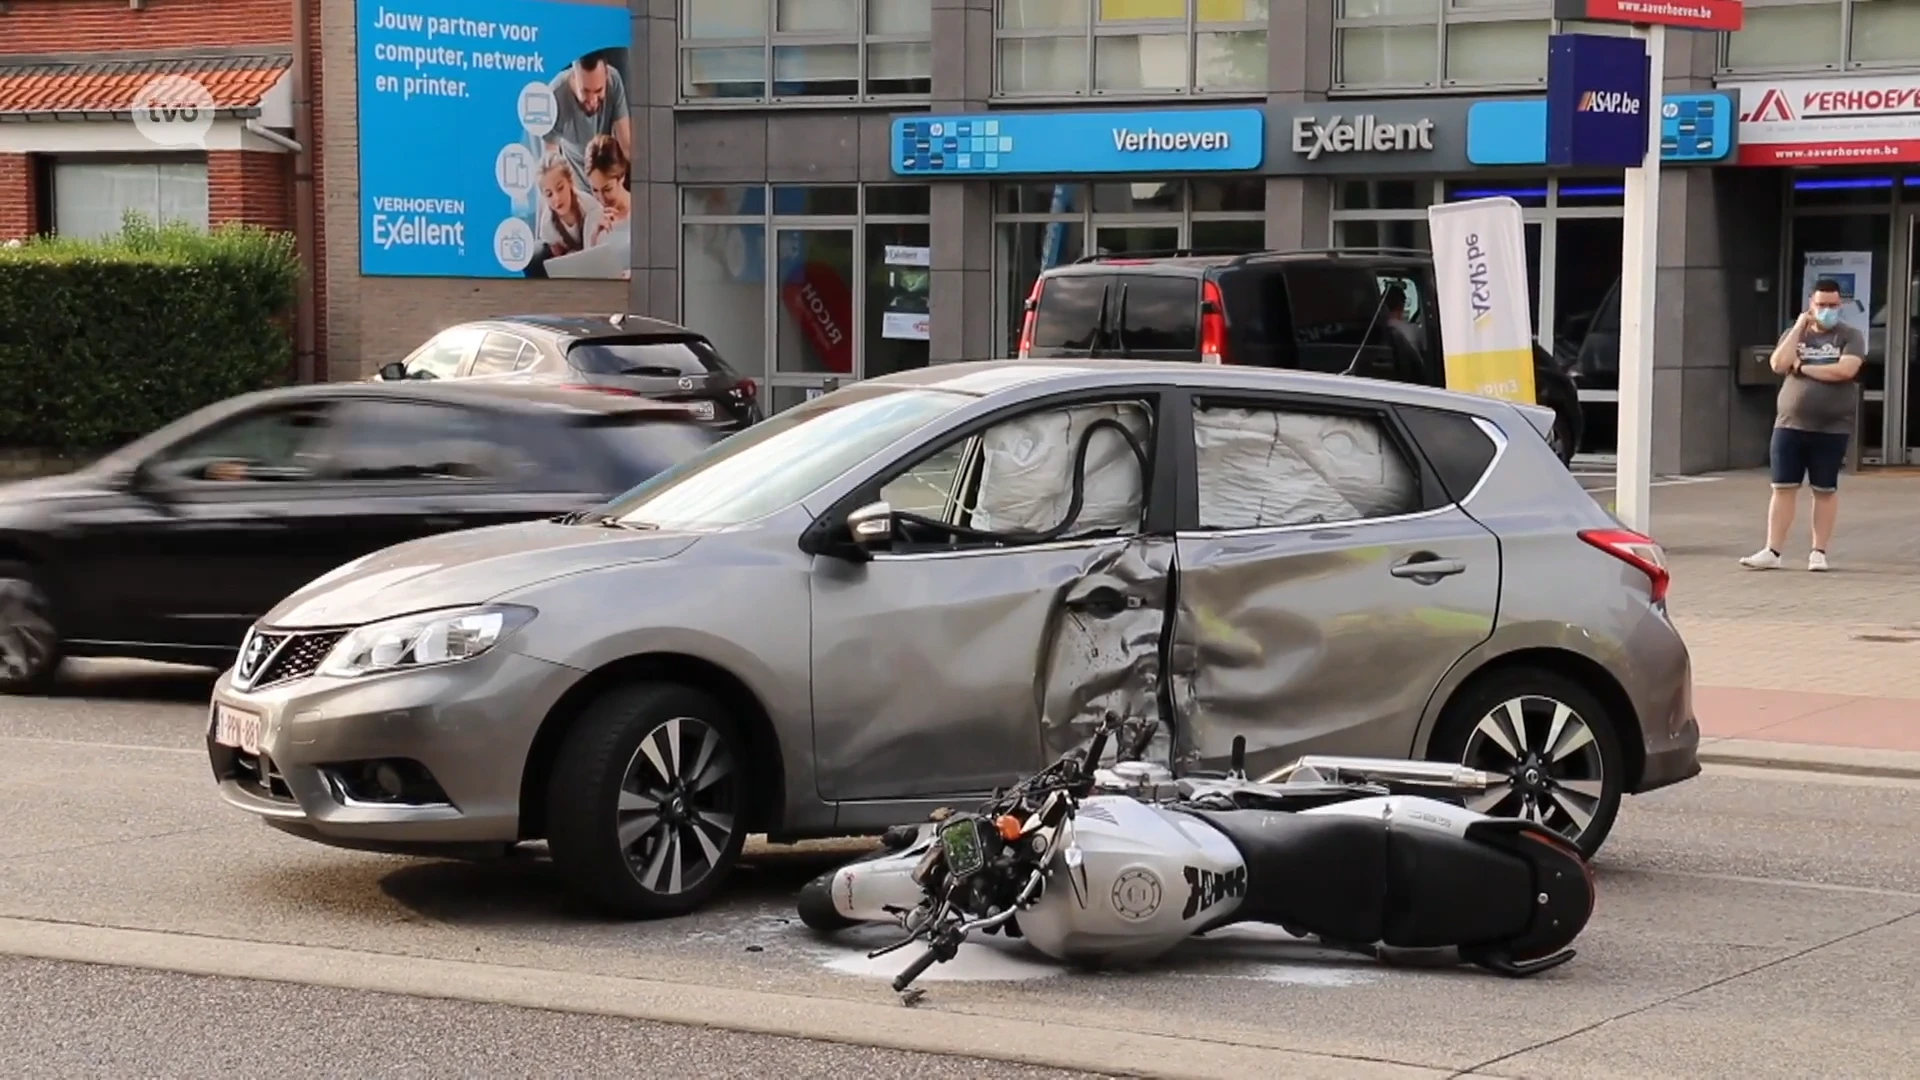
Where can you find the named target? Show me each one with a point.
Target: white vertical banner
(1480, 270)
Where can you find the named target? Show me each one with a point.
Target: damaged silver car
(907, 592)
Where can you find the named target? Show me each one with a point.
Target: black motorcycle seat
(1367, 881)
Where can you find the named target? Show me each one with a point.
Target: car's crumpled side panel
(1291, 627)
(1102, 652)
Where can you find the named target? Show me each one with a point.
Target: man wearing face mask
(1820, 357)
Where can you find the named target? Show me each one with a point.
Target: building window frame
(49, 166)
(1840, 60)
(1191, 27)
(1452, 13)
(767, 373)
(771, 40)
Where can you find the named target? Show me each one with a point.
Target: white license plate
(236, 728)
(702, 410)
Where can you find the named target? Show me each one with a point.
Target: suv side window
(499, 355)
(1332, 304)
(405, 440)
(1159, 314)
(1071, 311)
(275, 445)
(441, 356)
(1277, 466)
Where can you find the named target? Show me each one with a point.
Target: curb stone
(1812, 757)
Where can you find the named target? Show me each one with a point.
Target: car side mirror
(143, 482)
(394, 372)
(871, 526)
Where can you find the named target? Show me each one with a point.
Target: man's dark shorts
(1810, 457)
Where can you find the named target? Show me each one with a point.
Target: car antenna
(1368, 336)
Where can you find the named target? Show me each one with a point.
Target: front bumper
(466, 727)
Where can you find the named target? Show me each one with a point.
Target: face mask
(1826, 317)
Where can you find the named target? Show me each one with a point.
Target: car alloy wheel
(29, 644)
(679, 806)
(1550, 762)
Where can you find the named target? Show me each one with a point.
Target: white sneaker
(1764, 559)
(1816, 560)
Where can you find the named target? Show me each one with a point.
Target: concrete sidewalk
(1796, 668)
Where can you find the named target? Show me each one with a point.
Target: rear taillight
(1026, 323)
(1637, 551)
(622, 391)
(1213, 325)
(747, 389)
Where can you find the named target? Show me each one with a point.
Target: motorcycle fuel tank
(1146, 880)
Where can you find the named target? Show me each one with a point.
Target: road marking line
(932, 1028)
(105, 745)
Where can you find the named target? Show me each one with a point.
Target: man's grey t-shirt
(574, 127)
(1808, 404)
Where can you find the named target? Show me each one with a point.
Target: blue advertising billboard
(1597, 93)
(495, 140)
(1695, 129)
(1159, 141)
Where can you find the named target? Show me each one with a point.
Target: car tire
(1570, 781)
(30, 647)
(646, 802)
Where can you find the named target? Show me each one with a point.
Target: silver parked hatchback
(922, 586)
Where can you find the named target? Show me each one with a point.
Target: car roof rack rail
(1162, 253)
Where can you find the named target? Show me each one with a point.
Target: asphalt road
(1751, 924)
(88, 1020)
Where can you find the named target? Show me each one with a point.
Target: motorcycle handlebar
(914, 970)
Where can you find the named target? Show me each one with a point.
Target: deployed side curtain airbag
(1027, 480)
(1263, 467)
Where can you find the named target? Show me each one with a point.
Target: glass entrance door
(1903, 355)
(816, 346)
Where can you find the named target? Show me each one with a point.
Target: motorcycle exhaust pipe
(1327, 769)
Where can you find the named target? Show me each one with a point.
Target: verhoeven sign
(1598, 111)
(1683, 14)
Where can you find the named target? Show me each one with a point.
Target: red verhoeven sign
(1831, 121)
(1683, 14)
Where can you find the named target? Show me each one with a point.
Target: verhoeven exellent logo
(1618, 102)
(174, 110)
(1479, 280)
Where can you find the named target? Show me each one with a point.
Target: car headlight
(424, 640)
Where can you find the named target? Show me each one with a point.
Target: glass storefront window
(1383, 195)
(1040, 199)
(1153, 197)
(1229, 235)
(1533, 194)
(898, 286)
(849, 298)
(1586, 300)
(1411, 234)
(1241, 194)
(723, 281)
(1841, 189)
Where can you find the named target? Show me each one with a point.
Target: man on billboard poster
(590, 99)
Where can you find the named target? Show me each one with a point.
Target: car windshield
(782, 460)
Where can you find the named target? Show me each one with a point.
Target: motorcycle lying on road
(1099, 866)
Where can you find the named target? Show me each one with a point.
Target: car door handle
(1431, 569)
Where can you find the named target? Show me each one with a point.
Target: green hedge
(104, 341)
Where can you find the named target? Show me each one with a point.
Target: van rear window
(1069, 313)
(1159, 314)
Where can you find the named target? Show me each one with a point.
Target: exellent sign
(1364, 133)
(1070, 143)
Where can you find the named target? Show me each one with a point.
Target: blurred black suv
(1318, 310)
